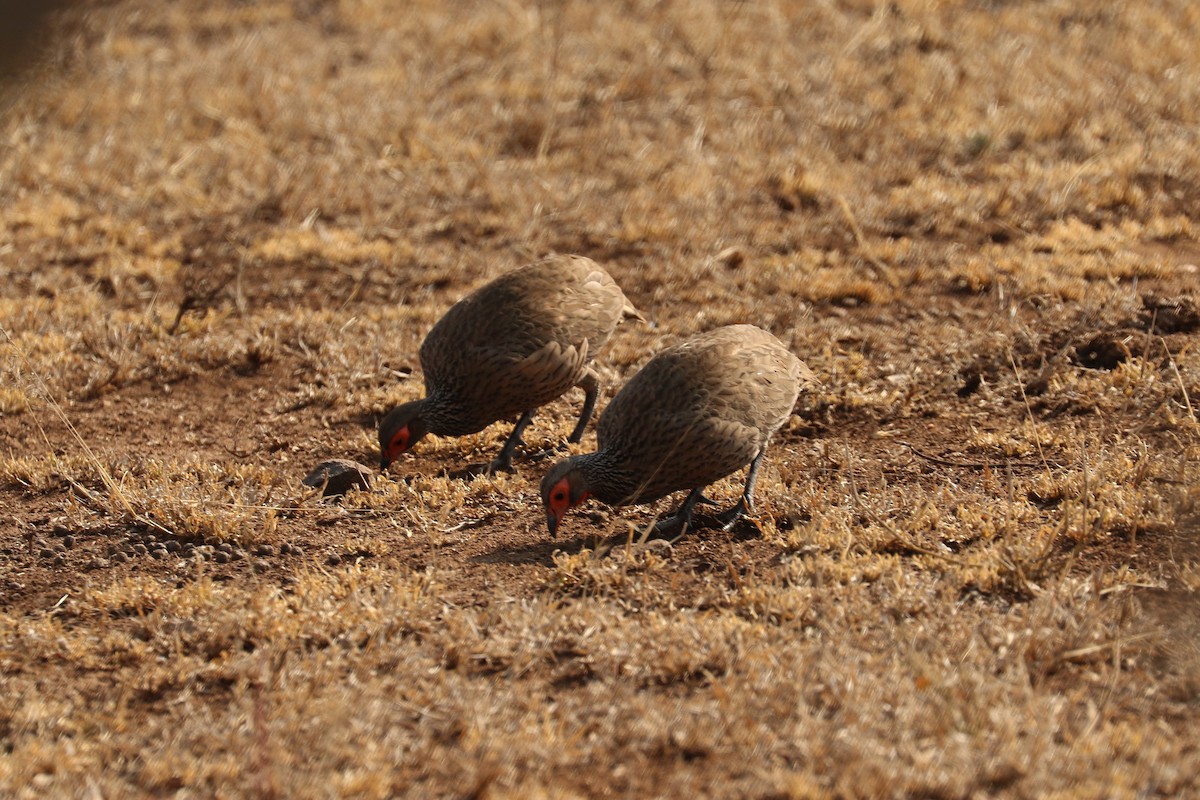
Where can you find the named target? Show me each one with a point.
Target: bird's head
(563, 488)
(403, 427)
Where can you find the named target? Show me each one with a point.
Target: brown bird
(509, 347)
(699, 411)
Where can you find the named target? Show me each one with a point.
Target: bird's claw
(542, 455)
(727, 519)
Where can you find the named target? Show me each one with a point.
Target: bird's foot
(542, 455)
(672, 527)
(728, 518)
(498, 465)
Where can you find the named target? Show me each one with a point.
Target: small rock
(221, 557)
(237, 554)
(120, 557)
(46, 552)
(159, 553)
(141, 549)
(264, 550)
(285, 549)
(172, 546)
(261, 565)
(339, 476)
(68, 541)
(98, 563)
(225, 547)
(59, 560)
(333, 560)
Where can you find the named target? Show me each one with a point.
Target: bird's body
(511, 346)
(698, 411)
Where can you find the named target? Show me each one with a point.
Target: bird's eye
(558, 495)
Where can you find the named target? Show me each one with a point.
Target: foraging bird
(698, 411)
(511, 346)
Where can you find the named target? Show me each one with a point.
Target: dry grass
(974, 567)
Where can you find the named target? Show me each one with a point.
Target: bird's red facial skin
(560, 498)
(558, 502)
(399, 443)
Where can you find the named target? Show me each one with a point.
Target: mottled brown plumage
(698, 411)
(511, 346)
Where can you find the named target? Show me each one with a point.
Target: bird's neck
(445, 416)
(606, 479)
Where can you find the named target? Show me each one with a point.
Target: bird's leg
(503, 462)
(681, 520)
(590, 383)
(745, 504)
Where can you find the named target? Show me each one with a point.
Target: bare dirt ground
(974, 566)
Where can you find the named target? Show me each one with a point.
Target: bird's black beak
(384, 463)
(552, 524)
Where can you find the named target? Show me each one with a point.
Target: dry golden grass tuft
(974, 566)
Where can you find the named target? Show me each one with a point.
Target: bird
(509, 347)
(698, 411)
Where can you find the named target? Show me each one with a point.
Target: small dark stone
(237, 554)
(159, 553)
(221, 557)
(264, 550)
(59, 560)
(261, 565)
(68, 541)
(98, 563)
(120, 557)
(285, 549)
(141, 549)
(225, 547)
(46, 552)
(339, 476)
(172, 546)
(333, 560)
